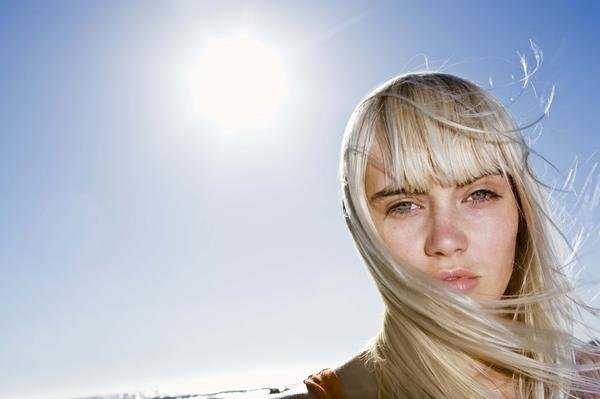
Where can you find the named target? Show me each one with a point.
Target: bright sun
(241, 83)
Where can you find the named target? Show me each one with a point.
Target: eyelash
(490, 195)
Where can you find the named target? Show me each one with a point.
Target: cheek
(404, 241)
(495, 239)
(494, 244)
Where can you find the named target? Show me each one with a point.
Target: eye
(402, 208)
(482, 195)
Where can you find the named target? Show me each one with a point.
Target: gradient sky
(144, 248)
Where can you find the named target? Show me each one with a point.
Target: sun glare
(241, 83)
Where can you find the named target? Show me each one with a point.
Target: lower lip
(463, 284)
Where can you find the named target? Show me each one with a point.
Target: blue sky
(144, 247)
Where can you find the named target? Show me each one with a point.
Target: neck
(360, 383)
(497, 381)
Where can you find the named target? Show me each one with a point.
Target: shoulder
(357, 380)
(351, 380)
(325, 384)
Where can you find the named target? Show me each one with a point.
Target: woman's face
(472, 227)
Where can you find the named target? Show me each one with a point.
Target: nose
(445, 236)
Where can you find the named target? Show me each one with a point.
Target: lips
(460, 279)
(446, 275)
(463, 284)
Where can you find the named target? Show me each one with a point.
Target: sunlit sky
(154, 239)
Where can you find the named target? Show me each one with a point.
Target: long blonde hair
(437, 125)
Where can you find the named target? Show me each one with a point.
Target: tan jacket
(351, 380)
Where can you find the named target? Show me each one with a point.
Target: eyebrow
(390, 191)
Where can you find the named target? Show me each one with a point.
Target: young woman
(457, 234)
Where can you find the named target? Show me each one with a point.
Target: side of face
(473, 227)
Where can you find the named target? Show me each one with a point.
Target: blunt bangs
(417, 151)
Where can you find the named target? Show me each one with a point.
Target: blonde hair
(439, 126)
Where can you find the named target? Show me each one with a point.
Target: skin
(474, 227)
(450, 227)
